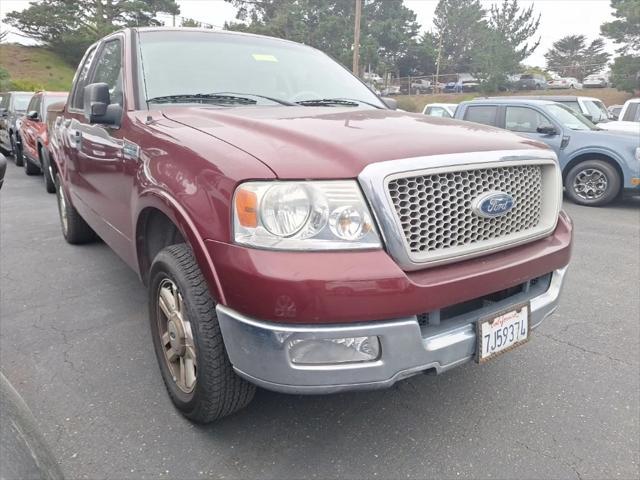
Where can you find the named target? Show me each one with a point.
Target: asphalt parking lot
(74, 341)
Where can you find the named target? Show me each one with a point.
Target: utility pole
(356, 39)
(435, 87)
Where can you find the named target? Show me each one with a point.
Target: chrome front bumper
(259, 351)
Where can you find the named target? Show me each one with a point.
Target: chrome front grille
(429, 209)
(435, 213)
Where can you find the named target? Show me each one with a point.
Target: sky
(559, 17)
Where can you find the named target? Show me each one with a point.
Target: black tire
(218, 391)
(30, 168)
(75, 230)
(47, 172)
(599, 168)
(17, 152)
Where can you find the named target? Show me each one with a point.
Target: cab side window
(485, 114)
(524, 119)
(32, 104)
(109, 69)
(77, 101)
(35, 104)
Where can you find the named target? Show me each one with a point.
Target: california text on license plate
(502, 331)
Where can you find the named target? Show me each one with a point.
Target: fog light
(314, 351)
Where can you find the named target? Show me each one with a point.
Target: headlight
(314, 215)
(638, 154)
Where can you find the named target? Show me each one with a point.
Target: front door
(106, 181)
(526, 121)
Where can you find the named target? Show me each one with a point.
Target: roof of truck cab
(208, 30)
(551, 98)
(533, 101)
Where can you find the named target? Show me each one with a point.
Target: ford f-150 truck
(294, 232)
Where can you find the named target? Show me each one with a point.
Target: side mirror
(32, 115)
(547, 130)
(98, 107)
(391, 103)
(3, 112)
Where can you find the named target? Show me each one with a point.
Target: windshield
(20, 102)
(568, 118)
(183, 64)
(597, 110)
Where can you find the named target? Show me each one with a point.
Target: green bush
(23, 85)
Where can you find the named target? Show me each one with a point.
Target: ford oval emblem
(492, 204)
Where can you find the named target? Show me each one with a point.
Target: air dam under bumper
(259, 351)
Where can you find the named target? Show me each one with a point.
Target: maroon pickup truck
(294, 231)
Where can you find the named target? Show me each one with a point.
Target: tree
(461, 26)
(516, 27)
(572, 57)
(387, 32)
(68, 27)
(493, 61)
(626, 29)
(625, 73)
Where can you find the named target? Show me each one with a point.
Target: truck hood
(329, 142)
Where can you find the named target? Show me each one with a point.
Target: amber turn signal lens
(247, 208)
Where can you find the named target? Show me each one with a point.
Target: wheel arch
(161, 222)
(593, 156)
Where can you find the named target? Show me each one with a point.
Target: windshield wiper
(204, 98)
(345, 102)
(327, 102)
(272, 99)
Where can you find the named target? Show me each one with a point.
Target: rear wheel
(30, 168)
(592, 183)
(47, 171)
(74, 229)
(188, 342)
(17, 152)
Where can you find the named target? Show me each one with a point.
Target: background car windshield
(570, 119)
(20, 102)
(177, 63)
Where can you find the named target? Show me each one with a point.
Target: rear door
(485, 114)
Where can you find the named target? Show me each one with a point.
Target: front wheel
(592, 183)
(188, 342)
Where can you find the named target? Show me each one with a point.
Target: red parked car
(34, 136)
(293, 230)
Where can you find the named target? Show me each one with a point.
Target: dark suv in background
(12, 107)
(531, 82)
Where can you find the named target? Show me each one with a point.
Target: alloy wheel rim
(176, 336)
(590, 183)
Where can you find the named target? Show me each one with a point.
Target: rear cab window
(631, 115)
(438, 112)
(485, 114)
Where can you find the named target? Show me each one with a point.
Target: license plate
(502, 332)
